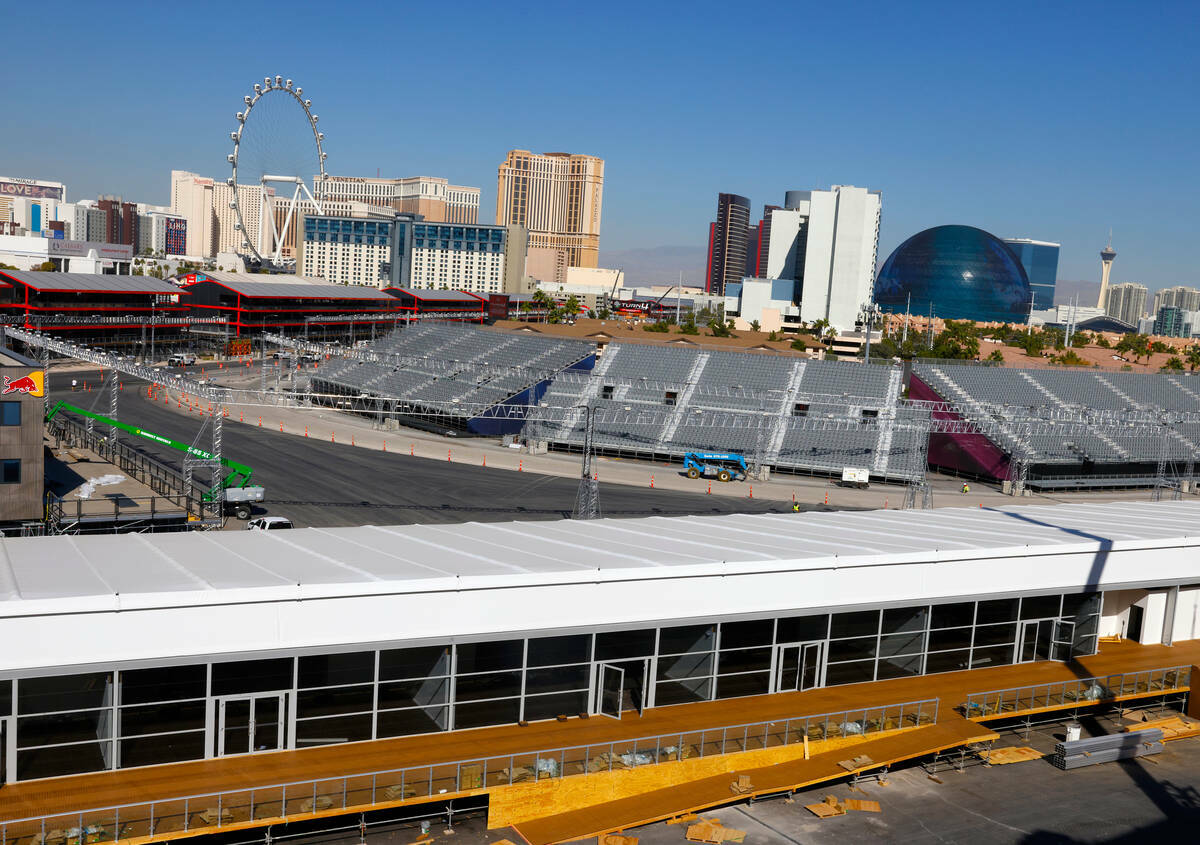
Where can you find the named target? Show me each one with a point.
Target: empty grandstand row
(784, 413)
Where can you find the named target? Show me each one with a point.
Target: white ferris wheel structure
(275, 188)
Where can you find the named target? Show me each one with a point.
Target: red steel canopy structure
(256, 302)
(87, 303)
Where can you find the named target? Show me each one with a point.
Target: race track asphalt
(321, 484)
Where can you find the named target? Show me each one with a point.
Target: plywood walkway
(130, 786)
(714, 791)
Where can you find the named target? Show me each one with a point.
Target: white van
(184, 360)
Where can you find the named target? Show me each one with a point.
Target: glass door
(810, 666)
(1064, 639)
(798, 667)
(610, 690)
(1037, 637)
(250, 723)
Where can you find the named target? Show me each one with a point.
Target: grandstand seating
(451, 368)
(780, 411)
(987, 393)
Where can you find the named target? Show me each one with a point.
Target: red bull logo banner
(31, 385)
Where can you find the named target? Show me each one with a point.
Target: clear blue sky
(1043, 120)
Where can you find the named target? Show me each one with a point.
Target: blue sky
(1052, 121)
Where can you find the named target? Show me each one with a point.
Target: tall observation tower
(1106, 259)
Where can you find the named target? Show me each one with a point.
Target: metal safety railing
(171, 485)
(1081, 692)
(246, 807)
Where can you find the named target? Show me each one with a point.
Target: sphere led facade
(963, 272)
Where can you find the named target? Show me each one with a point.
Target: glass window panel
(487, 713)
(746, 634)
(63, 760)
(1081, 604)
(494, 685)
(735, 686)
(849, 673)
(5, 698)
(899, 620)
(252, 676)
(995, 634)
(857, 624)
(489, 657)
(151, 751)
(1041, 607)
(1087, 625)
(898, 667)
(60, 728)
(799, 629)
(992, 656)
(64, 692)
(336, 729)
(554, 651)
(558, 679)
(619, 645)
(947, 661)
(855, 649)
(424, 662)
(332, 670)
(422, 720)
(949, 638)
(169, 683)
(685, 666)
(682, 692)
(952, 615)
(327, 702)
(10, 413)
(996, 610)
(415, 693)
(686, 638)
(744, 660)
(551, 706)
(163, 718)
(911, 643)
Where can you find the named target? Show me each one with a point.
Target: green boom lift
(236, 491)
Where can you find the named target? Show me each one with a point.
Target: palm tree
(1193, 357)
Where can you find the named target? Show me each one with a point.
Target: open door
(610, 690)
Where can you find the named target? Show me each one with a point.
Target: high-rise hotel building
(557, 197)
(433, 198)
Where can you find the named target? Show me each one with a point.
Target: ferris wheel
(276, 149)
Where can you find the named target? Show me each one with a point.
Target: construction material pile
(1106, 749)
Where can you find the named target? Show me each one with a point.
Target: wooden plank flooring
(699, 795)
(130, 786)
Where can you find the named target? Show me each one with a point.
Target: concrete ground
(1144, 800)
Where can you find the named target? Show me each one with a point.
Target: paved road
(317, 483)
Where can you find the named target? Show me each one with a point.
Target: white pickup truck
(183, 360)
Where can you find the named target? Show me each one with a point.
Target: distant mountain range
(1088, 292)
(658, 265)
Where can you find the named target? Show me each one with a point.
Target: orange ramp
(702, 794)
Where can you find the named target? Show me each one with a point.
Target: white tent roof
(85, 599)
(336, 561)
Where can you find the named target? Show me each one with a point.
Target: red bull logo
(31, 385)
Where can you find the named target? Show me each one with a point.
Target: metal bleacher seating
(780, 411)
(993, 395)
(451, 368)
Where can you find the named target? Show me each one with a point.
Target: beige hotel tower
(557, 197)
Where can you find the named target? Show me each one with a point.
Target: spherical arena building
(964, 273)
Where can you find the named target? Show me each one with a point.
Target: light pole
(867, 315)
